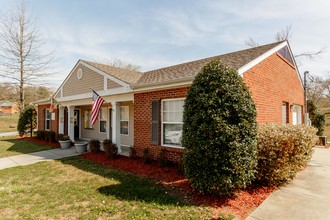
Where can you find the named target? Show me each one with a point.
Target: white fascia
(261, 58)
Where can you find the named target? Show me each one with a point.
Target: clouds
(155, 34)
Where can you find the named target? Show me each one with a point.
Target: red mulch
(35, 140)
(241, 205)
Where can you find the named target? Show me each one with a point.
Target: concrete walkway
(25, 159)
(306, 197)
(14, 133)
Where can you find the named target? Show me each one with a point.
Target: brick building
(145, 109)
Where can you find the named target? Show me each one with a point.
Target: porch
(115, 122)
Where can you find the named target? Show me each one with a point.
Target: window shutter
(43, 119)
(155, 122)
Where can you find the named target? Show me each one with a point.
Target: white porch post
(61, 120)
(116, 124)
(71, 122)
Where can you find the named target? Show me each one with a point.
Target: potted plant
(64, 141)
(81, 146)
(110, 149)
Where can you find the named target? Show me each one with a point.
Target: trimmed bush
(94, 145)
(110, 149)
(282, 151)
(41, 135)
(219, 131)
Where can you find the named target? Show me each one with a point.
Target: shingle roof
(128, 76)
(189, 70)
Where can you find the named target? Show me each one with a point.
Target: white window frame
(121, 120)
(162, 123)
(103, 118)
(48, 119)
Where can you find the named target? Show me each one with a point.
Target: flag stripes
(96, 105)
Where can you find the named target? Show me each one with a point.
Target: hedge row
(49, 136)
(282, 151)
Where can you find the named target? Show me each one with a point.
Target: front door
(76, 123)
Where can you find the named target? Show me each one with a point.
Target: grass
(8, 123)
(75, 188)
(10, 146)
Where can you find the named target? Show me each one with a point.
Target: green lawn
(75, 188)
(10, 146)
(8, 123)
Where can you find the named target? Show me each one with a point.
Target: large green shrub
(282, 151)
(27, 121)
(219, 131)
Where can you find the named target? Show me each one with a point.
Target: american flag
(96, 105)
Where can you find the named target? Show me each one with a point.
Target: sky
(156, 34)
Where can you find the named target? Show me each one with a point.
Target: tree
(27, 120)
(316, 117)
(22, 56)
(121, 64)
(219, 131)
(286, 34)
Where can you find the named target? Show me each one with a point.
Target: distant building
(8, 108)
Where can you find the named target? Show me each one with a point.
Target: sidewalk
(13, 133)
(306, 197)
(25, 159)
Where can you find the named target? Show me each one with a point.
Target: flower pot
(81, 147)
(65, 144)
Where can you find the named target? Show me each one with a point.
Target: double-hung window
(124, 120)
(47, 119)
(172, 116)
(103, 120)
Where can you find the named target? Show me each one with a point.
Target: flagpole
(107, 104)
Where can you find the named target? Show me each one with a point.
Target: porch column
(71, 122)
(116, 124)
(61, 120)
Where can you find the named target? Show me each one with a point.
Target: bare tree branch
(23, 59)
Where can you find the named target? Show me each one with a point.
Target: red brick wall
(41, 122)
(142, 122)
(271, 83)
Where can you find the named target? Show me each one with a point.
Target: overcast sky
(155, 34)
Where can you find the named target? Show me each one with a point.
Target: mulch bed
(241, 205)
(35, 140)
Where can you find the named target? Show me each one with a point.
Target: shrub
(50, 136)
(282, 151)
(132, 152)
(41, 135)
(110, 149)
(27, 121)
(219, 131)
(94, 145)
(317, 118)
(146, 156)
(162, 161)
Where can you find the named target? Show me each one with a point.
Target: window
(172, 115)
(103, 120)
(47, 119)
(284, 113)
(124, 120)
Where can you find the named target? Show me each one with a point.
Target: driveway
(306, 197)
